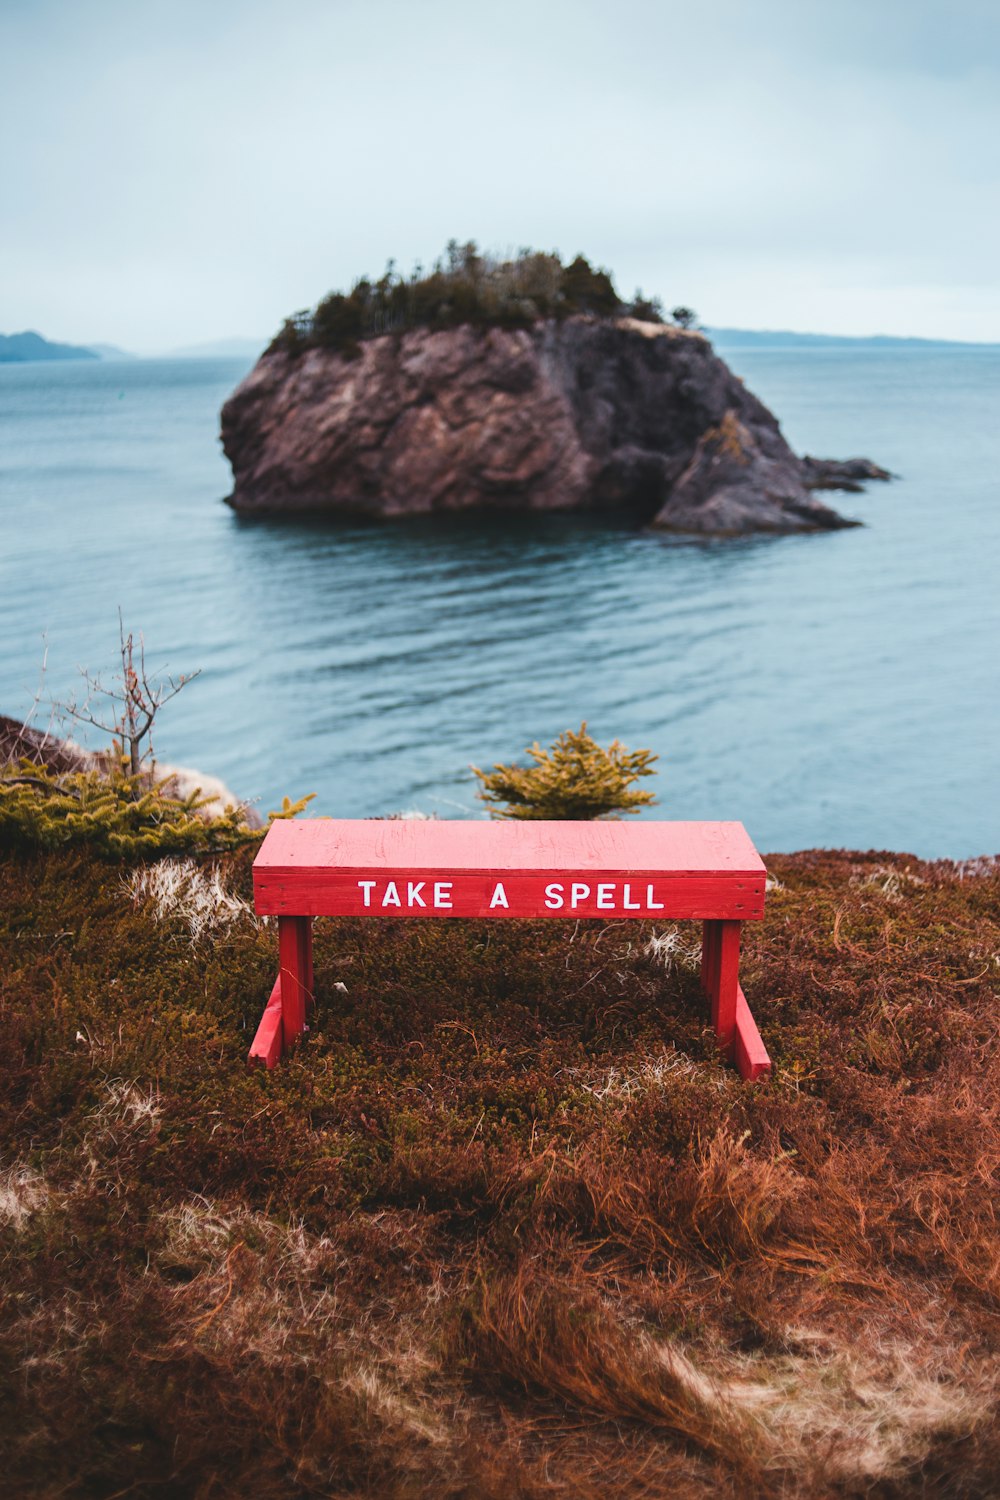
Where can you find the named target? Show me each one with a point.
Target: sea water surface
(835, 690)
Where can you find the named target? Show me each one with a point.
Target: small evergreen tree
(646, 309)
(684, 317)
(52, 796)
(117, 815)
(575, 778)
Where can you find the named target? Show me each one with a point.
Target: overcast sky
(172, 172)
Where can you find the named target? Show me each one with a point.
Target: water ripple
(838, 689)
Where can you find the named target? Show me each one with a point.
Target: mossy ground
(504, 1226)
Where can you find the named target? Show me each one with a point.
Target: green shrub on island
(465, 286)
(575, 778)
(118, 816)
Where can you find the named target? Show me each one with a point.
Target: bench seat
(504, 869)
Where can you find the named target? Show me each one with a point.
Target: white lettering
(391, 897)
(577, 893)
(442, 893)
(605, 896)
(626, 903)
(413, 896)
(499, 897)
(553, 896)
(652, 905)
(367, 886)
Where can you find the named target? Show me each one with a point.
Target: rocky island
(515, 385)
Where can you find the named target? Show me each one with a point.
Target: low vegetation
(116, 814)
(504, 1226)
(120, 816)
(465, 286)
(55, 794)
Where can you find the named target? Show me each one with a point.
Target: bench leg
(267, 1044)
(295, 974)
(751, 1054)
(727, 981)
(739, 1039)
(284, 1017)
(720, 963)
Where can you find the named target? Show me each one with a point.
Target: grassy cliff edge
(505, 1226)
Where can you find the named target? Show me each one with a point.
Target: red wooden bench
(416, 868)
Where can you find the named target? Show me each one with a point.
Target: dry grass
(504, 1227)
(182, 888)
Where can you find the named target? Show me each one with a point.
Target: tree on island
(684, 317)
(465, 286)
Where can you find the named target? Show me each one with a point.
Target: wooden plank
(709, 961)
(405, 891)
(650, 848)
(750, 1053)
(726, 985)
(306, 961)
(292, 979)
(267, 1043)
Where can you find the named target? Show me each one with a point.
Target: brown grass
(504, 1226)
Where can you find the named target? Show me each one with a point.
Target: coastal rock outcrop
(585, 413)
(848, 474)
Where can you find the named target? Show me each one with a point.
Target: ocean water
(836, 690)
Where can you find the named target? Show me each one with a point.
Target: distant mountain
(232, 348)
(19, 348)
(753, 338)
(112, 352)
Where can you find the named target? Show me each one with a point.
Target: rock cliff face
(584, 414)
